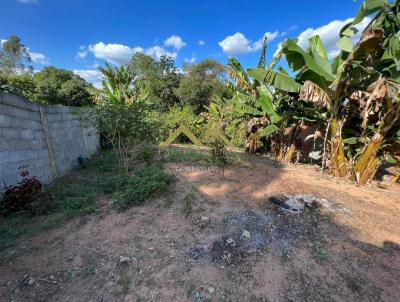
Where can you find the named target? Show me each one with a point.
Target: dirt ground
(189, 244)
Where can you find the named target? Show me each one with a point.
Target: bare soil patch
(218, 238)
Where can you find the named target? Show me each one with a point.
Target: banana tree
(372, 62)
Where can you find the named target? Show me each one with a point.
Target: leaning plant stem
(275, 60)
(338, 159)
(366, 165)
(324, 150)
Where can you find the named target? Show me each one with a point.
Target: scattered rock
(124, 259)
(246, 234)
(204, 219)
(230, 240)
(30, 281)
(297, 203)
(211, 290)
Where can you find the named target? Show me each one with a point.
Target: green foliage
(158, 79)
(21, 85)
(122, 114)
(145, 153)
(78, 205)
(219, 156)
(76, 194)
(14, 56)
(321, 254)
(136, 189)
(177, 116)
(201, 83)
(60, 86)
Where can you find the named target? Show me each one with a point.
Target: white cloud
(201, 42)
(91, 76)
(174, 41)
(238, 44)
(329, 34)
(117, 54)
(278, 48)
(82, 52)
(270, 36)
(190, 60)
(156, 52)
(39, 58)
(29, 1)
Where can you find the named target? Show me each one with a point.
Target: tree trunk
(338, 159)
(367, 163)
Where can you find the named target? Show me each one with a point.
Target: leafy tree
(14, 56)
(170, 80)
(159, 79)
(22, 85)
(121, 114)
(201, 83)
(60, 86)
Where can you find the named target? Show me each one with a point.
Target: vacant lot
(209, 237)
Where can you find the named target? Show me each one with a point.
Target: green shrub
(145, 153)
(21, 85)
(143, 185)
(82, 205)
(114, 183)
(177, 116)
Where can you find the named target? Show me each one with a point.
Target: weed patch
(186, 155)
(187, 204)
(76, 193)
(151, 180)
(320, 254)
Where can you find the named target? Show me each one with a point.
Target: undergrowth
(77, 193)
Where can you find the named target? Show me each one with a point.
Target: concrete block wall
(47, 139)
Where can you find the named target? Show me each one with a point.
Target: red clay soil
(349, 253)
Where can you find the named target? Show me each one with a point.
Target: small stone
(30, 281)
(246, 234)
(211, 290)
(124, 259)
(230, 240)
(204, 219)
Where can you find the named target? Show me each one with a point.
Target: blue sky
(79, 35)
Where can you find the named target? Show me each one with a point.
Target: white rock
(124, 259)
(246, 234)
(30, 281)
(204, 219)
(211, 290)
(230, 240)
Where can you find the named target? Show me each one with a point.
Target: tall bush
(122, 115)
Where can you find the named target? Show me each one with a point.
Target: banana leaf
(298, 59)
(318, 52)
(278, 80)
(265, 101)
(368, 7)
(350, 141)
(267, 131)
